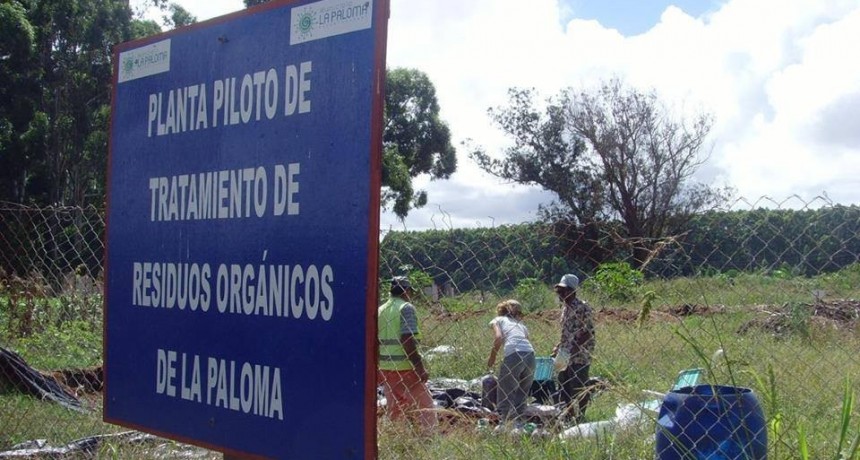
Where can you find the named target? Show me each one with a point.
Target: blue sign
(243, 218)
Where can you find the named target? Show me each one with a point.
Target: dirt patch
(780, 321)
(450, 317)
(550, 316)
(840, 313)
(692, 309)
(615, 314)
(665, 313)
(89, 380)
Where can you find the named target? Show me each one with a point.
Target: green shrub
(420, 280)
(617, 280)
(533, 295)
(799, 318)
(784, 272)
(69, 345)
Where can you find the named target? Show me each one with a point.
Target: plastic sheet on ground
(39, 448)
(19, 375)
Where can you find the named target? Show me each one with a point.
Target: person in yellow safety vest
(401, 370)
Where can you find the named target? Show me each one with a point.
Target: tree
(638, 167)
(179, 17)
(55, 76)
(18, 94)
(416, 141)
(545, 154)
(55, 97)
(144, 27)
(74, 43)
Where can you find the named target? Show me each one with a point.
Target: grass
(799, 376)
(25, 418)
(808, 373)
(808, 364)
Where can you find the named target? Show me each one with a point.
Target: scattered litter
(589, 430)
(441, 350)
(445, 383)
(33, 444)
(626, 416)
(39, 448)
(543, 412)
(458, 401)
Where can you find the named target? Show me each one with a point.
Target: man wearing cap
(577, 341)
(401, 370)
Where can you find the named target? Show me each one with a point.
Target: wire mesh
(759, 299)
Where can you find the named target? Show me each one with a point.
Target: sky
(780, 77)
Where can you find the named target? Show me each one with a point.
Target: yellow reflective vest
(392, 356)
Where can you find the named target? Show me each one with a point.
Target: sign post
(242, 237)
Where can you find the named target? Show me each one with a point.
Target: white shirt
(515, 333)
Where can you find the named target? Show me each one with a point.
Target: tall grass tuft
(843, 450)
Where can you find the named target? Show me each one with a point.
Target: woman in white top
(517, 369)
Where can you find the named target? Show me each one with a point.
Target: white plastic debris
(626, 416)
(542, 411)
(441, 350)
(589, 430)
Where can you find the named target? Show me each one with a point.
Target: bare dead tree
(646, 155)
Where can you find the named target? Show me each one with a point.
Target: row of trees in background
(54, 242)
(805, 242)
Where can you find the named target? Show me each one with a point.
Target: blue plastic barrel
(706, 422)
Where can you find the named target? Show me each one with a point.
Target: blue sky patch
(630, 17)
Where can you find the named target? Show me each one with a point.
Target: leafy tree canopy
(178, 17)
(56, 59)
(545, 154)
(416, 140)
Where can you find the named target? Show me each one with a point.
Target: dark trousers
(573, 392)
(543, 391)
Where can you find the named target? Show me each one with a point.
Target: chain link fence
(761, 297)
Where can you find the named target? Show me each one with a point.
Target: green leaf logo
(127, 65)
(306, 23)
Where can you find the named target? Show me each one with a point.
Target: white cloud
(779, 75)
